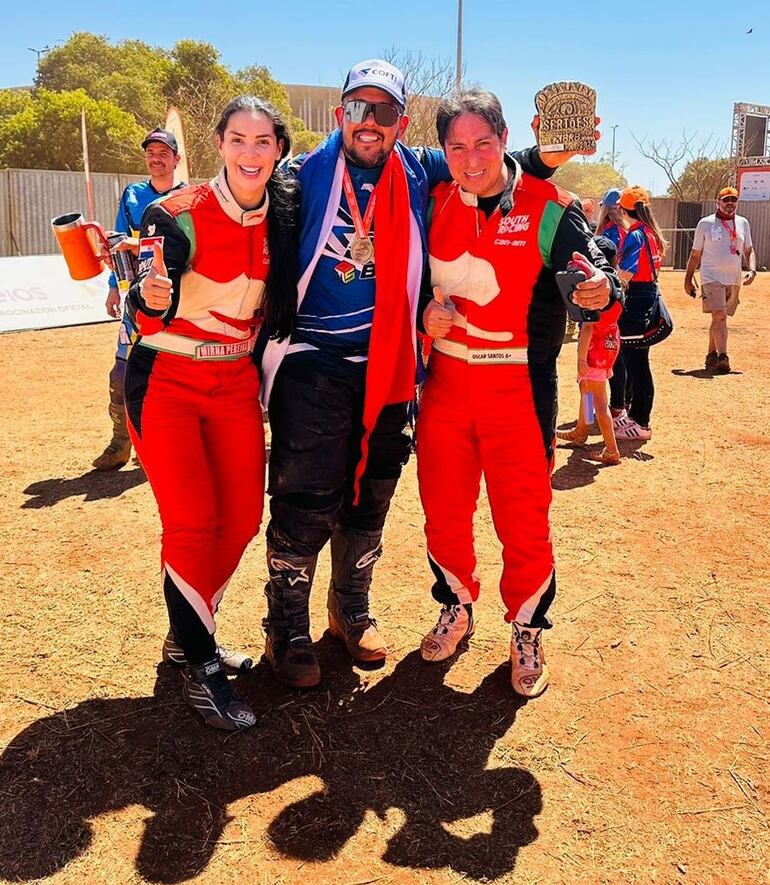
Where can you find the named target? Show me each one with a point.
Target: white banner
(36, 292)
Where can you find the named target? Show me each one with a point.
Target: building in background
(314, 105)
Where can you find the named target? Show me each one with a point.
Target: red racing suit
(484, 409)
(192, 397)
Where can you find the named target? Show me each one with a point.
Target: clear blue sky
(658, 67)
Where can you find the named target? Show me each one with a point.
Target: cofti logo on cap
(379, 72)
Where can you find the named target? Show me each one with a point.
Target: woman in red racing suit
(216, 261)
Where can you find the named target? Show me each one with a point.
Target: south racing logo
(513, 224)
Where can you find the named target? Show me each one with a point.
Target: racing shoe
(234, 661)
(455, 625)
(529, 671)
(116, 455)
(207, 690)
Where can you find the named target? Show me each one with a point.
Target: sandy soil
(646, 760)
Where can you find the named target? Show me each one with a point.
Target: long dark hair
(642, 212)
(280, 304)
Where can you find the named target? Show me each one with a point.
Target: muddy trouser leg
(357, 540)
(117, 408)
(311, 420)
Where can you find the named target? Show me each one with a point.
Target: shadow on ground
(408, 742)
(708, 374)
(92, 486)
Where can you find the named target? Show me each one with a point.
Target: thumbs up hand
(156, 287)
(438, 315)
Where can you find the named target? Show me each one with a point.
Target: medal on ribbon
(361, 247)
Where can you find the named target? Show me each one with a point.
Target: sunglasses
(357, 111)
(729, 199)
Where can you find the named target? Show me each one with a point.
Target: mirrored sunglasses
(384, 114)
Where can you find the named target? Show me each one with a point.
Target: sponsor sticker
(145, 252)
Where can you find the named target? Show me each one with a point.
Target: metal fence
(30, 198)
(678, 219)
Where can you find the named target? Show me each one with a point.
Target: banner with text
(36, 292)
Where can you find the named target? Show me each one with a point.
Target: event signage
(36, 292)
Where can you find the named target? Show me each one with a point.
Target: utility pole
(459, 69)
(613, 143)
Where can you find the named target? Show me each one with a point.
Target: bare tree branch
(428, 80)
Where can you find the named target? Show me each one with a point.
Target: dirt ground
(646, 760)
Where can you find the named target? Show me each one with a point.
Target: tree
(199, 86)
(257, 80)
(689, 165)
(428, 80)
(112, 134)
(702, 178)
(12, 101)
(143, 80)
(589, 178)
(131, 74)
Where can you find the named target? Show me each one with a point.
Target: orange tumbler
(71, 232)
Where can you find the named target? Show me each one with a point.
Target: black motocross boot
(288, 648)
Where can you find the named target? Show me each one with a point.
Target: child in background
(598, 348)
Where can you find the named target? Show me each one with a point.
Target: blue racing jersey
(338, 308)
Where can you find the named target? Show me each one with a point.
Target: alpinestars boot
(354, 554)
(288, 647)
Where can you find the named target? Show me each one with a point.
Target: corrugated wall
(32, 197)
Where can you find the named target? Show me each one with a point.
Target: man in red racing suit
(496, 238)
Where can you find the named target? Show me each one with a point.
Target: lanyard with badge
(733, 234)
(361, 247)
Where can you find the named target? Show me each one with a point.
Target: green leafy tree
(131, 74)
(113, 134)
(257, 80)
(589, 178)
(702, 178)
(140, 81)
(12, 101)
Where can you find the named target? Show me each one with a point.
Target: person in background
(722, 244)
(597, 352)
(610, 222)
(640, 259)
(161, 154)
(589, 210)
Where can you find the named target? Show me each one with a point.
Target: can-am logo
(513, 224)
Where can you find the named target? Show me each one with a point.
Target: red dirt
(647, 758)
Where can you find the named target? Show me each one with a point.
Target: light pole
(613, 143)
(39, 52)
(459, 69)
